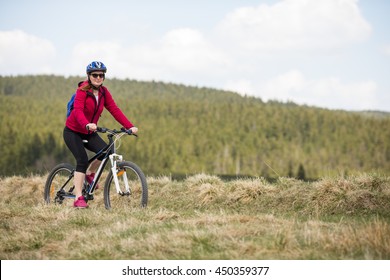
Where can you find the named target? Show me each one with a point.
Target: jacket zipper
(96, 105)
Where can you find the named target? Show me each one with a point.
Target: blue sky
(327, 53)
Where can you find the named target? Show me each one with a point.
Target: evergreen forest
(187, 130)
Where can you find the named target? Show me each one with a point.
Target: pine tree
(301, 173)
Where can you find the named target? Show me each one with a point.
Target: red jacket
(86, 110)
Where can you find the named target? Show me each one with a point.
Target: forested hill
(188, 130)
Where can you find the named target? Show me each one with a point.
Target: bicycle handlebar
(114, 131)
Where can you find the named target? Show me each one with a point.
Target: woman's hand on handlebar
(130, 131)
(91, 127)
(134, 130)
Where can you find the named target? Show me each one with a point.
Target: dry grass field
(204, 217)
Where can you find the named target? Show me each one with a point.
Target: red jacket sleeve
(115, 111)
(78, 107)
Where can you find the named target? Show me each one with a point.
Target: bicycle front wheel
(59, 184)
(132, 188)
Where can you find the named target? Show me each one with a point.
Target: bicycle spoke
(134, 195)
(59, 185)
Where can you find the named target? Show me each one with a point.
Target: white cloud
(325, 92)
(83, 54)
(386, 50)
(250, 51)
(187, 50)
(295, 25)
(22, 53)
(179, 53)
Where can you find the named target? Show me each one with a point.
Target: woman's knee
(82, 165)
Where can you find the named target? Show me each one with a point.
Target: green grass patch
(204, 217)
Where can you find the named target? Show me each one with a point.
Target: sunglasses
(98, 75)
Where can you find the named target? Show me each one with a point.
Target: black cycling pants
(74, 141)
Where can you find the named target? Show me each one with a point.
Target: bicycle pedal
(89, 197)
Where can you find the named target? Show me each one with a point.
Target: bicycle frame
(110, 154)
(125, 179)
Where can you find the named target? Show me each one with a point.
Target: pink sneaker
(90, 178)
(80, 202)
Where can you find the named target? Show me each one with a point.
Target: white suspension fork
(114, 158)
(124, 176)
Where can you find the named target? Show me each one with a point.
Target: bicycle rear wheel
(59, 184)
(135, 196)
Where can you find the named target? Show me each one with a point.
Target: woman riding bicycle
(90, 100)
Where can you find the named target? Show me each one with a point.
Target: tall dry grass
(204, 217)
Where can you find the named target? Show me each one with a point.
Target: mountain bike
(124, 186)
